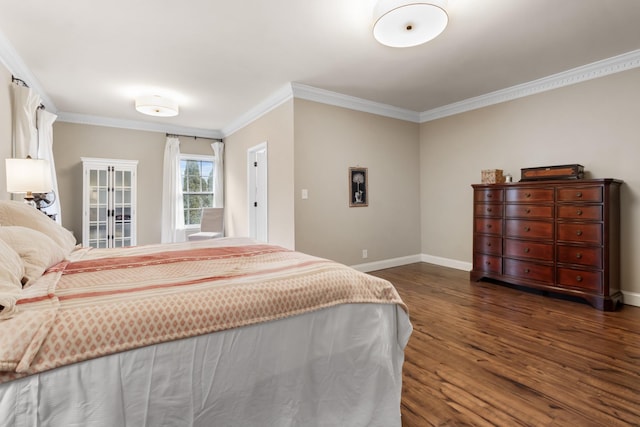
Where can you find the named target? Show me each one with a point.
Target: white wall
(329, 140)
(72, 141)
(5, 128)
(276, 128)
(594, 123)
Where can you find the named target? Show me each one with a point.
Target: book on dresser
(559, 236)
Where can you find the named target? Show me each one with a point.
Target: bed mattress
(330, 364)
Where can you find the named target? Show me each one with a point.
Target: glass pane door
(122, 208)
(98, 208)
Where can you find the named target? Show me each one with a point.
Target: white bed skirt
(340, 366)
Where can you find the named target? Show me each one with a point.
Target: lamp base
(30, 200)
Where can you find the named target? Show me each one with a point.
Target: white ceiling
(220, 59)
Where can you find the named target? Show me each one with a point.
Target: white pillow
(8, 301)
(11, 272)
(18, 213)
(11, 267)
(36, 250)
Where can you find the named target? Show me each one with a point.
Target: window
(197, 186)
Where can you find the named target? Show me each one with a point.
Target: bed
(223, 332)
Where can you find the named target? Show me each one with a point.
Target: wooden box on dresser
(558, 236)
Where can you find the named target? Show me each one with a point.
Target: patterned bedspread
(104, 301)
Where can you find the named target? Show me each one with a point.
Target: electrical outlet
(365, 254)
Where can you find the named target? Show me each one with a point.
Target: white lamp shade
(156, 105)
(402, 23)
(28, 175)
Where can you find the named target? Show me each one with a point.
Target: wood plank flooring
(483, 354)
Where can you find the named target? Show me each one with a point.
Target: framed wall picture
(358, 187)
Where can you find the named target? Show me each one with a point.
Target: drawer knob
(527, 195)
(579, 212)
(578, 278)
(489, 196)
(489, 210)
(527, 211)
(488, 262)
(527, 229)
(578, 255)
(527, 250)
(579, 194)
(527, 271)
(579, 233)
(488, 225)
(489, 244)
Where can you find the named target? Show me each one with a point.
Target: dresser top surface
(555, 182)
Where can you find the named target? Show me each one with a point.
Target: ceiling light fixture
(403, 23)
(156, 105)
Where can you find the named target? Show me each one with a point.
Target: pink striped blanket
(106, 301)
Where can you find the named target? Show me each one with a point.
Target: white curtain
(173, 229)
(25, 133)
(218, 191)
(45, 121)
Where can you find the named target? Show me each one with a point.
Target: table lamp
(28, 176)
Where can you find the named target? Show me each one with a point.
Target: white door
(257, 191)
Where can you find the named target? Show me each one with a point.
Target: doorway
(257, 192)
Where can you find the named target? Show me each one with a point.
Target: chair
(211, 224)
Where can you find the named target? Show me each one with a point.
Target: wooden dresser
(557, 236)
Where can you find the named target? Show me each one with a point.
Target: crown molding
(616, 64)
(16, 66)
(86, 119)
(351, 102)
(276, 99)
(300, 91)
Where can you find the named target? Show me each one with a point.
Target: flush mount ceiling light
(156, 105)
(403, 23)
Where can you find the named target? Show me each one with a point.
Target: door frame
(252, 180)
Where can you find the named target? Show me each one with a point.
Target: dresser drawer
(487, 244)
(486, 209)
(582, 233)
(487, 225)
(528, 270)
(528, 211)
(487, 263)
(581, 279)
(529, 195)
(593, 212)
(487, 195)
(529, 229)
(528, 249)
(580, 194)
(591, 256)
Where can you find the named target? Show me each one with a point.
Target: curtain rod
(194, 137)
(21, 82)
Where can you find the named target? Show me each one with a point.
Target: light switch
(305, 193)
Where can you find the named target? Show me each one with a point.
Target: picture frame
(358, 187)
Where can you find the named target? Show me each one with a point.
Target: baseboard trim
(629, 298)
(447, 262)
(387, 263)
(397, 262)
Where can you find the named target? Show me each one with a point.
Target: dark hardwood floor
(483, 354)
